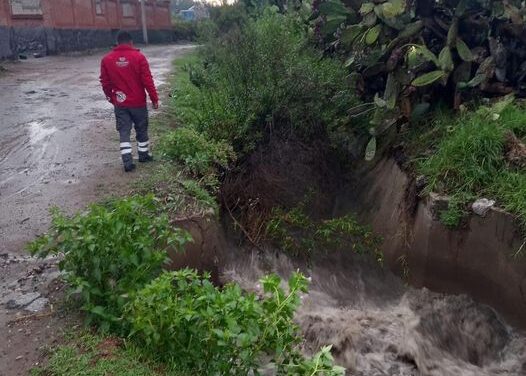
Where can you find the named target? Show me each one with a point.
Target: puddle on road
(38, 132)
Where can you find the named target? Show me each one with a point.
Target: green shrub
(195, 190)
(109, 252)
(184, 30)
(263, 79)
(183, 319)
(198, 154)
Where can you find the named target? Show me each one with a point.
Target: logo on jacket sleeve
(122, 62)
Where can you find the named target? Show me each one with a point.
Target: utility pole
(144, 26)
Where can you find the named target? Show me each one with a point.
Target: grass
(168, 180)
(464, 157)
(87, 354)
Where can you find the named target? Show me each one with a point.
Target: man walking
(125, 76)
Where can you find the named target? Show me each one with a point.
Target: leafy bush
(183, 319)
(192, 148)
(109, 252)
(262, 80)
(184, 30)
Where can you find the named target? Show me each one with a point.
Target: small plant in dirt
(182, 319)
(109, 252)
(297, 233)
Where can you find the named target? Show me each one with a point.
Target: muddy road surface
(58, 144)
(58, 147)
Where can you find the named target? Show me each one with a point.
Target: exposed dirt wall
(476, 260)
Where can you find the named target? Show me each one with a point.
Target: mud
(58, 147)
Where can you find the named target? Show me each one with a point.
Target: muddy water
(379, 326)
(58, 139)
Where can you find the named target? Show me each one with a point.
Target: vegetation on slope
(476, 154)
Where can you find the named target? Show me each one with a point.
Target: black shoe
(145, 158)
(129, 167)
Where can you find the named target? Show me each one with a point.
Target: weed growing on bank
(470, 159)
(109, 252)
(195, 152)
(298, 234)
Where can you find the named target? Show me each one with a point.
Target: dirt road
(58, 147)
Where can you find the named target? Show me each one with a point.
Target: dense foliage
(184, 320)
(184, 30)
(295, 232)
(261, 81)
(197, 153)
(109, 252)
(112, 256)
(405, 54)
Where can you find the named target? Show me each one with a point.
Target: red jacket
(125, 75)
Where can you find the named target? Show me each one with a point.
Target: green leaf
(98, 310)
(349, 61)
(475, 81)
(463, 50)
(503, 103)
(370, 150)
(452, 33)
(391, 91)
(349, 35)
(361, 109)
(332, 24)
(366, 8)
(372, 34)
(333, 8)
(393, 8)
(369, 19)
(428, 78)
(445, 60)
(379, 102)
(425, 52)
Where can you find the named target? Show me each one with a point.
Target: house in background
(195, 12)
(53, 26)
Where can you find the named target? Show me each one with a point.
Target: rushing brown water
(379, 326)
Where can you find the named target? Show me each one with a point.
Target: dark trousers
(126, 119)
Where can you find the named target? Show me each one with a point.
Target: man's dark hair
(123, 37)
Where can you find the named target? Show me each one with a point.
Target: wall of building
(70, 25)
